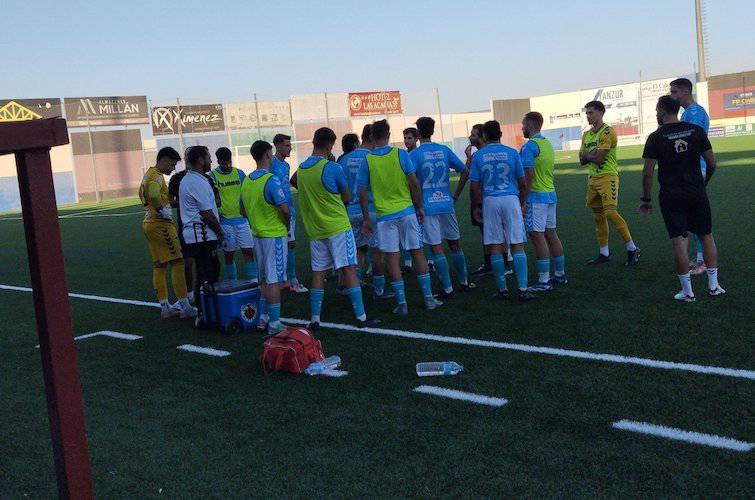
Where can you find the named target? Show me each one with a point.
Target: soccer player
(390, 174)
(264, 204)
(201, 224)
(540, 218)
(323, 193)
(676, 147)
(236, 232)
(497, 178)
(410, 143)
(681, 90)
(175, 181)
(352, 162)
(282, 170)
(162, 238)
(476, 141)
(598, 153)
(434, 163)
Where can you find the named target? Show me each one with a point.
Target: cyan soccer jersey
(282, 170)
(434, 163)
(497, 168)
(697, 115)
(352, 164)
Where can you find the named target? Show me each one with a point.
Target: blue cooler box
(237, 303)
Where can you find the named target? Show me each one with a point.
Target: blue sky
(210, 51)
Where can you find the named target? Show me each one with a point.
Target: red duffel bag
(290, 351)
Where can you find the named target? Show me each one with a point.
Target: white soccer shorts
(437, 228)
(503, 220)
(271, 256)
(539, 217)
(335, 252)
(404, 232)
(236, 236)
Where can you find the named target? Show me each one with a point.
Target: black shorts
(472, 207)
(685, 211)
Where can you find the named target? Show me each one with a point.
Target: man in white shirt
(199, 213)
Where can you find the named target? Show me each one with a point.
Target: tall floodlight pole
(702, 74)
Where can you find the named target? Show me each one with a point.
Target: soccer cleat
(446, 295)
(189, 312)
(275, 328)
(387, 294)
(541, 287)
(526, 296)
(313, 326)
(367, 323)
(633, 257)
(558, 280)
(464, 287)
(600, 259)
(715, 292)
(168, 313)
(432, 303)
(401, 309)
(501, 294)
(298, 287)
(684, 297)
(482, 270)
(698, 269)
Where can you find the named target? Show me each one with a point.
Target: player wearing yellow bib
(264, 204)
(162, 237)
(236, 232)
(598, 153)
(323, 195)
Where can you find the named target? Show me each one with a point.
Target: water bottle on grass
(434, 369)
(329, 363)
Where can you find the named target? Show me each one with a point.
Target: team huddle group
(375, 201)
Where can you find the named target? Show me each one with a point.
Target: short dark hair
(349, 143)
(380, 130)
(411, 130)
(279, 138)
(323, 136)
(195, 153)
(668, 104)
(596, 105)
(425, 127)
(477, 126)
(168, 152)
(223, 154)
(491, 130)
(536, 118)
(367, 132)
(259, 148)
(682, 83)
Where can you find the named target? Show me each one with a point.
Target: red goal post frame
(30, 142)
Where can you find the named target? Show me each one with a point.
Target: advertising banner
(168, 120)
(14, 110)
(271, 114)
(115, 110)
(375, 103)
(734, 101)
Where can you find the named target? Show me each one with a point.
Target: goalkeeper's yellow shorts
(162, 240)
(603, 191)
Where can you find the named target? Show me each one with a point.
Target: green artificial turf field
(164, 422)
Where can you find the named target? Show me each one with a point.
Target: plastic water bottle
(437, 368)
(329, 363)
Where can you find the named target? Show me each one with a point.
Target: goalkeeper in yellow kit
(598, 153)
(162, 238)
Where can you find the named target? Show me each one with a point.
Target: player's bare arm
(294, 181)
(710, 161)
(416, 193)
(364, 204)
(462, 182)
(285, 214)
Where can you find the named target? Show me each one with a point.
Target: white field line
(550, 351)
(461, 395)
(204, 350)
(81, 216)
(106, 333)
(682, 435)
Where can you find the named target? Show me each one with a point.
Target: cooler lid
(231, 286)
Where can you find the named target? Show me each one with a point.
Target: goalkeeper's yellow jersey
(603, 138)
(153, 192)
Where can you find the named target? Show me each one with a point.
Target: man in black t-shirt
(676, 147)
